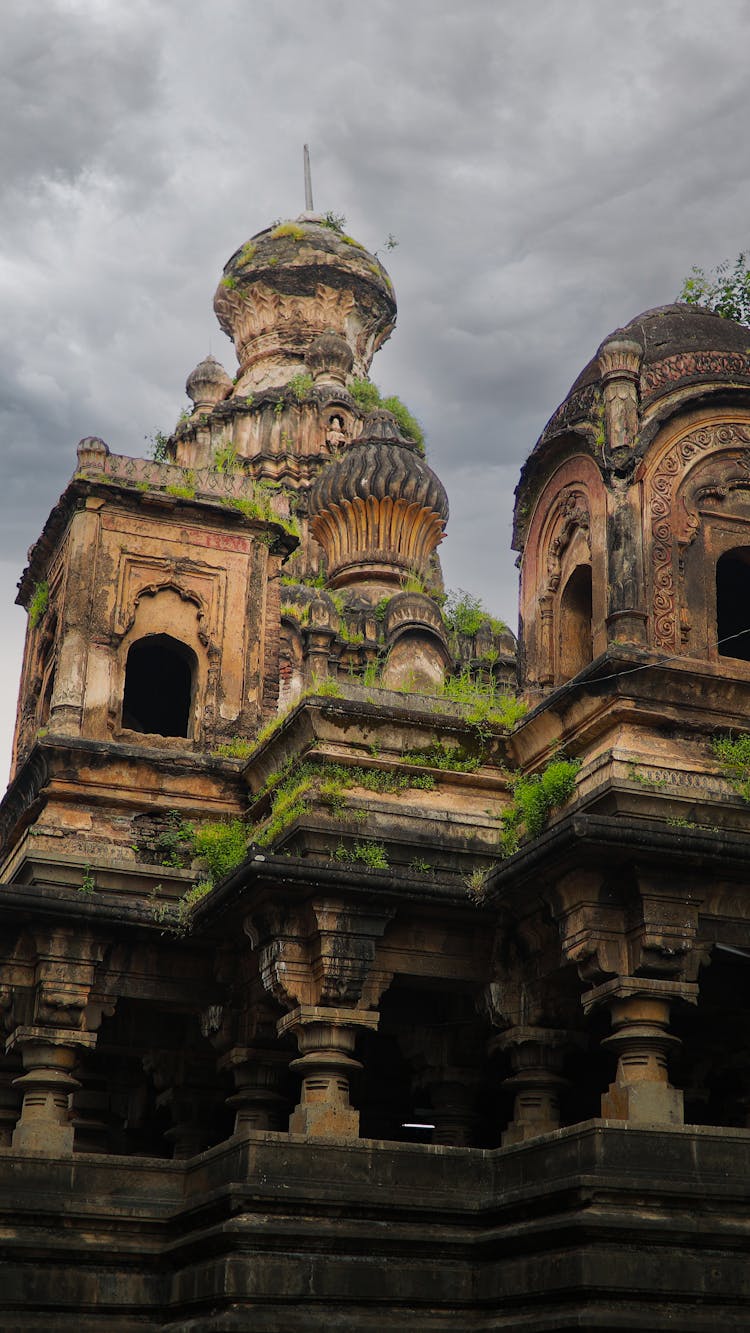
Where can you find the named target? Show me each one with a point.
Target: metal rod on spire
(308, 181)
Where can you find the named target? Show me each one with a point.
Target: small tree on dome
(725, 290)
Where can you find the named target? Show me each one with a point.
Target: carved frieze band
(693, 365)
(663, 487)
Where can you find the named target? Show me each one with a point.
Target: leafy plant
(725, 289)
(230, 283)
(88, 883)
(733, 754)
(465, 614)
(300, 385)
(534, 799)
(372, 854)
(247, 253)
(187, 902)
(486, 706)
(221, 846)
(237, 748)
(335, 221)
(367, 396)
(410, 427)
(450, 757)
(225, 458)
(158, 446)
(37, 607)
(475, 881)
(173, 844)
(181, 492)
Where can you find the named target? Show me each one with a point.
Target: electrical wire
(663, 661)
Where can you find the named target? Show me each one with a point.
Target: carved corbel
(320, 963)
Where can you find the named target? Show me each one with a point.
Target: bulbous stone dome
(208, 383)
(294, 282)
(680, 345)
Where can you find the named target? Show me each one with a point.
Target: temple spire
(308, 180)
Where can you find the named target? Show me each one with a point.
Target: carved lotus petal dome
(378, 512)
(379, 469)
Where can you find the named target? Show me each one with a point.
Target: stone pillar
(453, 1097)
(10, 1100)
(639, 1009)
(48, 1057)
(318, 639)
(536, 1056)
(66, 706)
(619, 363)
(257, 1071)
(326, 1038)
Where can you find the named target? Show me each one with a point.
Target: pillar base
(644, 1103)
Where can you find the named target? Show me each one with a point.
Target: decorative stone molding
(663, 485)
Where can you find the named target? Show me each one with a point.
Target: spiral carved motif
(670, 470)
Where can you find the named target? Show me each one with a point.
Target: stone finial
(92, 452)
(619, 363)
(620, 358)
(207, 385)
(329, 358)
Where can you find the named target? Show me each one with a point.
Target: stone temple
(361, 966)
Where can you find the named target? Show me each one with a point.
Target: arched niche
(160, 687)
(416, 661)
(160, 675)
(575, 647)
(697, 539)
(733, 604)
(570, 511)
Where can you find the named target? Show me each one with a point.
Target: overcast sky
(549, 167)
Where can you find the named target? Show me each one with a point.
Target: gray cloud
(549, 170)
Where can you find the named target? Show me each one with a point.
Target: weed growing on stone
(39, 602)
(534, 799)
(372, 854)
(733, 753)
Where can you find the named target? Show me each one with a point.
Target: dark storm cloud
(549, 169)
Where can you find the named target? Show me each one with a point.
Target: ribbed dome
(379, 470)
(379, 511)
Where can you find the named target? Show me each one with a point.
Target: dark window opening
(733, 604)
(158, 686)
(576, 638)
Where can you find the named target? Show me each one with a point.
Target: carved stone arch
(570, 508)
(168, 585)
(693, 469)
(165, 611)
(569, 515)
